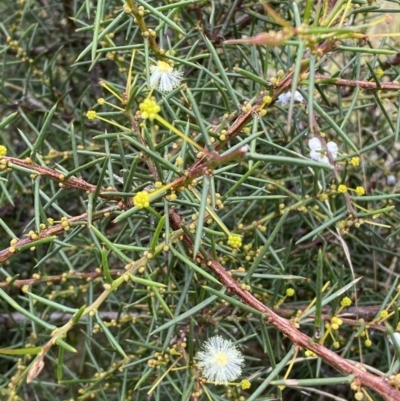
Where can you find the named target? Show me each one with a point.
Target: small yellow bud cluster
(179, 161)
(346, 301)
(222, 135)
(3, 164)
(13, 243)
(235, 240)
(33, 236)
(101, 101)
(302, 209)
(263, 229)
(174, 351)
(197, 394)
(18, 50)
(289, 293)
(91, 115)
(360, 191)
(96, 328)
(149, 109)
(342, 189)
(127, 9)
(246, 108)
(149, 256)
(310, 353)
(355, 386)
(141, 200)
(245, 384)
(111, 55)
(172, 196)
(267, 100)
(219, 204)
(344, 225)
(65, 223)
(158, 360)
(336, 323)
(3, 150)
(394, 380)
(355, 161)
(323, 197)
(365, 334)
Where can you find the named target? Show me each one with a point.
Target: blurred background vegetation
(73, 325)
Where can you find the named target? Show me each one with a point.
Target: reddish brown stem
(53, 230)
(367, 85)
(378, 384)
(65, 182)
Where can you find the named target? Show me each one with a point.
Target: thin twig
(54, 230)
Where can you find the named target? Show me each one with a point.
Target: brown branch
(367, 85)
(191, 174)
(54, 230)
(378, 384)
(60, 177)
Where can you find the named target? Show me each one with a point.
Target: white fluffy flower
(164, 76)
(319, 154)
(220, 360)
(396, 336)
(391, 179)
(284, 98)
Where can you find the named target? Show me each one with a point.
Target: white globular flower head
(220, 360)
(284, 98)
(391, 179)
(396, 336)
(318, 154)
(164, 76)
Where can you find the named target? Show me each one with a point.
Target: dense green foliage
(102, 207)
